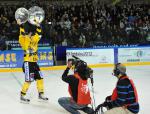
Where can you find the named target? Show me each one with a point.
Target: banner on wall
(11, 59)
(14, 59)
(45, 57)
(92, 56)
(141, 54)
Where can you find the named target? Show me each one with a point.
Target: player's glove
(108, 98)
(107, 104)
(98, 108)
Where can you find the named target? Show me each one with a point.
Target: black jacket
(73, 83)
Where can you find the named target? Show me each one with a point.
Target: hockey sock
(40, 85)
(25, 88)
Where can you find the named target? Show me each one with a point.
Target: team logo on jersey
(84, 89)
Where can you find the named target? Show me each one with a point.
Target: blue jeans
(73, 107)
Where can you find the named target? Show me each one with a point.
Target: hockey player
(28, 40)
(78, 90)
(124, 99)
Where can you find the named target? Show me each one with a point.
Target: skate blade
(44, 101)
(24, 102)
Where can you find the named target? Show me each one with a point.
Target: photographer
(78, 89)
(124, 99)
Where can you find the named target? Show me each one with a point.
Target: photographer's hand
(65, 77)
(69, 65)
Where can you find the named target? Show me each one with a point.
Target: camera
(81, 67)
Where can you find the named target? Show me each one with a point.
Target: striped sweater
(126, 95)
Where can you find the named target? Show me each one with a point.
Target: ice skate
(42, 97)
(24, 100)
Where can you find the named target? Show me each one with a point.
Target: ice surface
(104, 82)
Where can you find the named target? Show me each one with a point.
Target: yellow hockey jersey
(29, 44)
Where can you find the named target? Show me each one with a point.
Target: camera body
(81, 67)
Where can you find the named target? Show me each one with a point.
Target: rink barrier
(111, 55)
(10, 61)
(64, 67)
(14, 58)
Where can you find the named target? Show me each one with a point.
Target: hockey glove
(108, 105)
(98, 108)
(108, 98)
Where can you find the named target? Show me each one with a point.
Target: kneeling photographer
(124, 98)
(78, 88)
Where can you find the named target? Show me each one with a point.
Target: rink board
(63, 67)
(111, 55)
(95, 57)
(14, 58)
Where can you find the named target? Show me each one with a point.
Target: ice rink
(104, 82)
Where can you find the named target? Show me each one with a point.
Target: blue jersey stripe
(124, 86)
(125, 92)
(130, 98)
(121, 99)
(122, 92)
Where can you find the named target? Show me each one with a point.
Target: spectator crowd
(86, 24)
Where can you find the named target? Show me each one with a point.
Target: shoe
(23, 99)
(42, 97)
(88, 110)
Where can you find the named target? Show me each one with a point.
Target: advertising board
(14, 59)
(92, 56)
